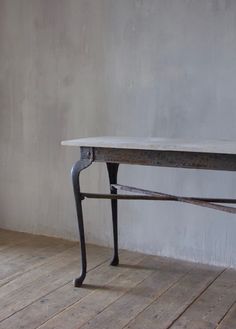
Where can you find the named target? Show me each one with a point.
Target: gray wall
(74, 68)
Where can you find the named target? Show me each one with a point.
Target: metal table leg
(112, 172)
(75, 172)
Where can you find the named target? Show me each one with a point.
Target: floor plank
(212, 305)
(38, 282)
(136, 300)
(152, 277)
(8, 239)
(229, 322)
(147, 292)
(28, 256)
(49, 305)
(163, 311)
(79, 313)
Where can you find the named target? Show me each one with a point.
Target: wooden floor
(144, 292)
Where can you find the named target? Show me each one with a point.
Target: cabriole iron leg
(112, 172)
(75, 172)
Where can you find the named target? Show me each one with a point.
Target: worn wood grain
(163, 311)
(143, 292)
(152, 277)
(212, 305)
(27, 257)
(9, 239)
(49, 305)
(229, 321)
(40, 281)
(102, 297)
(137, 299)
(155, 143)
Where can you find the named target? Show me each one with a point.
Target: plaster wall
(77, 68)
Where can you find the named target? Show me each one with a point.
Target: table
(192, 154)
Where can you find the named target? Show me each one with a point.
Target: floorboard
(212, 305)
(143, 292)
(229, 321)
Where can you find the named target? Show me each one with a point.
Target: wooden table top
(158, 144)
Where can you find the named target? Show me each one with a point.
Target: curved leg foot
(112, 172)
(115, 260)
(78, 281)
(75, 172)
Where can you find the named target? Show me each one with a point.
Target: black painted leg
(112, 172)
(75, 172)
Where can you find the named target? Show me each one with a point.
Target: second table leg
(112, 172)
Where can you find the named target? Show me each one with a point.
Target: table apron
(176, 159)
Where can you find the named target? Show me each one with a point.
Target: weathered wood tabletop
(158, 144)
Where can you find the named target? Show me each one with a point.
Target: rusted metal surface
(194, 160)
(195, 202)
(149, 197)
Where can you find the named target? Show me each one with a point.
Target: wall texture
(76, 68)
